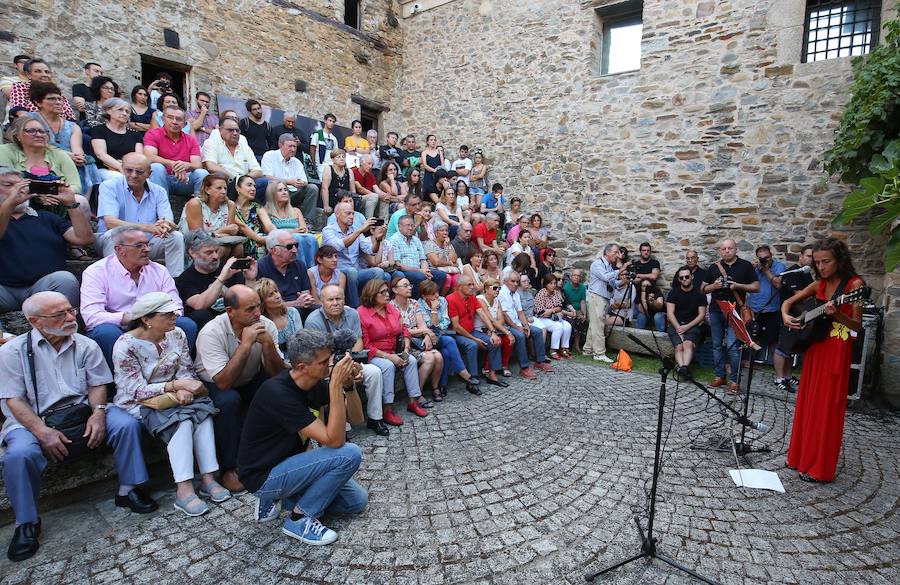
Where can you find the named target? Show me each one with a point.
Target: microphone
(806, 269)
(344, 340)
(757, 425)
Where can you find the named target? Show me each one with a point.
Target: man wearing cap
(236, 352)
(202, 286)
(110, 287)
(132, 199)
(50, 367)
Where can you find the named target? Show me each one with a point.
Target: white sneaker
(602, 358)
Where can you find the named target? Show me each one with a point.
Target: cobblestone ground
(536, 483)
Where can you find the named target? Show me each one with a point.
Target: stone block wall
(719, 133)
(242, 48)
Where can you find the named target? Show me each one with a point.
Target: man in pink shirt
(110, 287)
(175, 163)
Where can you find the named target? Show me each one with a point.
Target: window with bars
(835, 28)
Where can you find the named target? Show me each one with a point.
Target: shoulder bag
(743, 308)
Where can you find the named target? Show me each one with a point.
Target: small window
(353, 13)
(623, 25)
(835, 28)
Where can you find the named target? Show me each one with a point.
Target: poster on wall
(275, 117)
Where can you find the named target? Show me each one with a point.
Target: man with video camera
(729, 279)
(766, 305)
(291, 413)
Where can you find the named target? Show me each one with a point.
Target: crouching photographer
(343, 322)
(309, 403)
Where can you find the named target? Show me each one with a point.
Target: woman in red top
(381, 330)
(822, 396)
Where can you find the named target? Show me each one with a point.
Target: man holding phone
(203, 285)
(34, 242)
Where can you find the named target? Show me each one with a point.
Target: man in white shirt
(233, 157)
(322, 142)
(463, 165)
(283, 166)
(236, 352)
(517, 323)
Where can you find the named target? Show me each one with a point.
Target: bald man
(729, 279)
(133, 199)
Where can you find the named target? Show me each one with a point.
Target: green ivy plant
(866, 149)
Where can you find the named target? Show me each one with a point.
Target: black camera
(630, 274)
(765, 261)
(344, 340)
(726, 283)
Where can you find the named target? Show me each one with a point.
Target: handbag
(166, 399)
(69, 419)
(744, 309)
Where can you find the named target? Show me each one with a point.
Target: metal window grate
(835, 28)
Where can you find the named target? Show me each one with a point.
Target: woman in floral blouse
(424, 342)
(152, 362)
(549, 313)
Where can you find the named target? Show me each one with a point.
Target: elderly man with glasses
(34, 243)
(110, 287)
(287, 271)
(49, 368)
(133, 200)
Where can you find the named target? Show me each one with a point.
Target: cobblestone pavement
(537, 484)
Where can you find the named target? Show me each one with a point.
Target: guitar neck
(814, 314)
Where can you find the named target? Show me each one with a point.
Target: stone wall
(242, 48)
(720, 133)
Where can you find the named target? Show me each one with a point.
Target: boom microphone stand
(648, 541)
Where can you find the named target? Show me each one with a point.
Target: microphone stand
(648, 541)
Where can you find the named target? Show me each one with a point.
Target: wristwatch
(100, 407)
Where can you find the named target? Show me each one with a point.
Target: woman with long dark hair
(822, 396)
(141, 111)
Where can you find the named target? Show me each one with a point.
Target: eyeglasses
(58, 315)
(684, 277)
(287, 246)
(139, 245)
(384, 291)
(495, 287)
(35, 131)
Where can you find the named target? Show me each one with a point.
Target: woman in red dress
(822, 397)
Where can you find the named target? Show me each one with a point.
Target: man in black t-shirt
(390, 151)
(793, 283)
(739, 278)
(257, 131)
(81, 92)
(646, 268)
(290, 411)
(202, 286)
(685, 312)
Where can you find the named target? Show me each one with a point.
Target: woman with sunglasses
(490, 302)
(424, 342)
(156, 383)
(388, 343)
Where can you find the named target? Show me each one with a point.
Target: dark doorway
(369, 119)
(152, 66)
(352, 13)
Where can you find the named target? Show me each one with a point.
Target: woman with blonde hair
(280, 214)
(287, 319)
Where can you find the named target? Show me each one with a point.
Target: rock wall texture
(719, 134)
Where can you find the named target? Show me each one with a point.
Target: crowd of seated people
(420, 260)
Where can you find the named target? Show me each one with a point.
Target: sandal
(215, 492)
(191, 506)
(438, 395)
(424, 402)
(507, 374)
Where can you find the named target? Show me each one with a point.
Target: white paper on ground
(757, 478)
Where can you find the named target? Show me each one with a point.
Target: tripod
(648, 541)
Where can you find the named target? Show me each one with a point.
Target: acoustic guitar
(812, 325)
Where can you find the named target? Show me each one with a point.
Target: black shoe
(473, 389)
(378, 427)
(137, 501)
(500, 383)
(24, 542)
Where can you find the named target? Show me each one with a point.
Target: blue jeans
(173, 186)
(469, 352)
(306, 248)
(106, 335)
(718, 325)
(659, 321)
(389, 370)
(24, 462)
(540, 346)
(356, 278)
(415, 278)
(317, 481)
(521, 347)
(453, 363)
